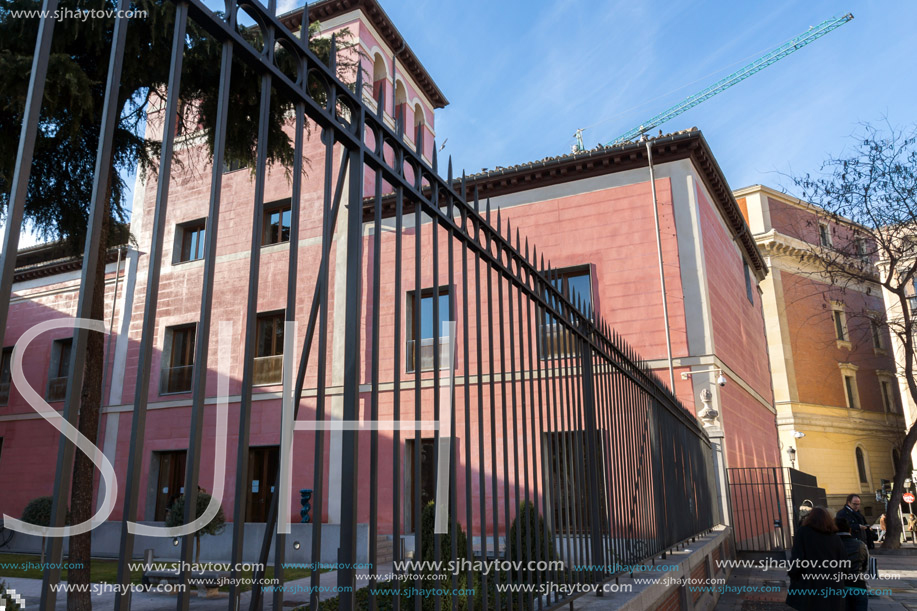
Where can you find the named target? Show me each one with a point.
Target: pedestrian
(882, 527)
(912, 526)
(857, 590)
(851, 513)
(816, 581)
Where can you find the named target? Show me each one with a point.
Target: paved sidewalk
(897, 573)
(297, 594)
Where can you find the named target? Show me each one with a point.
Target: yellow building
(833, 369)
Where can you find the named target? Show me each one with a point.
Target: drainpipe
(665, 305)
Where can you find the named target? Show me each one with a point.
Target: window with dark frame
(276, 228)
(851, 395)
(60, 368)
(554, 339)
(861, 466)
(171, 481)
(824, 235)
(269, 349)
(876, 335)
(839, 326)
(192, 241)
(233, 165)
(888, 397)
(423, 307)
(180, 364)
(748, 291)
(6, 362)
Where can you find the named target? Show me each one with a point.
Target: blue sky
(521, 76)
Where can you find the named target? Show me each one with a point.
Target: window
(888, 396)
(427, 481)
(418, 127)
(839, 325)
(276, 229)
(190, 241)
(421, 307)
(860, 244)
(171, 481)
(861, 467)
(380, 77)
(839, 319)
(269, 351)
(178, 367)
(232, 165)
(567, 469)
(824, 234)
(554, 338)
(748, 292)
(876, 335)
(6, 361)
(848, 378)
(60, 369)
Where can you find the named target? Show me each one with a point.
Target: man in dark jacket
(851, 513)
(857, 590)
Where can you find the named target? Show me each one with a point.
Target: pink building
(590, 213)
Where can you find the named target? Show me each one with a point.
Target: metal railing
(586, 439)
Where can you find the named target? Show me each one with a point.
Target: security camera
(721, 380)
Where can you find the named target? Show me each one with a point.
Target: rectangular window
(824, 235)
(171, 481)
(888, 396)
(850, 387)
(176, 374)
(269, 350)
(839, 326)
(232, 166)
(60, 368)
(5, 375)
(568, 463)
(554, 338)
(861, 250)
(419, 311)
(192, 241)
(748, 291)
(876, 335)
(276, 229)
(427, 482)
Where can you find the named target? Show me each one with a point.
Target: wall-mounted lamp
(720, 380)
(791, 453)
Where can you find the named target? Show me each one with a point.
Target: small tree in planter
(176, 517)
(38, 512)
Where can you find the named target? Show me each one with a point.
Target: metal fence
(544, 405)
(767, 504)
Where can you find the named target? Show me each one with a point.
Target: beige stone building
(839, 414)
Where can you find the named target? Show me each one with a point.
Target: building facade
(839, 411)
(590, 214)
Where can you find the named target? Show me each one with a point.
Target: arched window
(861, 467)
(401, 102)
(418, 127)
(379, 77)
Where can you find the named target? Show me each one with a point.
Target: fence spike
(449, 172)
(304, 27)
(381, 105)
(464, 186)
(527, 248)
(487, 215)
(359, 88)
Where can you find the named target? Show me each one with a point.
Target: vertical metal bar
(396, 399)
(514, 436)
(493, 409)
(466, 370)
(503, 406)
(23, 169)
(352, 355)
(280, 540)
(418, 413)
(99, 202)
(434, 239)
(590, 431)
(479, 343)
(321, 377)
(531, 521)
(248, 363)
(374, 396)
